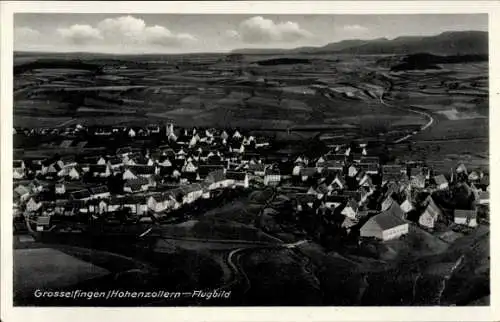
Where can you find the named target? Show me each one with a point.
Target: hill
(446, 43)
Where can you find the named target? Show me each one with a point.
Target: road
(423, 128)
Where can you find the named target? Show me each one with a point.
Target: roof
(463, 213)
(99, 189)
(233, 175)
(304, 197)
(307, 172)
(392, 168)
(440, 179)
(97, 168)
(142, 169)
(191, 188)
(385, 220)
(216, 176)
(43, 221)
(484, 195)
(21, 190)
(336, 198)
(81, 194)
(432, 208)
(272, 171)
(139, 180)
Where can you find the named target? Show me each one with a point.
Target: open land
(243, 243)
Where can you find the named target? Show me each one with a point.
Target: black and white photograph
(168, 159)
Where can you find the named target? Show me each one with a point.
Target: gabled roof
(233, 175)
(191, 188)
(99, 189)
(463, 213)
(22, 190)
(81, 194)
(385, 220)
(142, 169)
(304, 198)
(307, 172)
(440, 179)
(216, 176)
(97, 168)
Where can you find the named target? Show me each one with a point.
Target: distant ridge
(446, 43)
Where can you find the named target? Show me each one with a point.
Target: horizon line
(229, 51)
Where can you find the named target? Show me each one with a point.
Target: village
(348, 190)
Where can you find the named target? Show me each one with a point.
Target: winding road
(423, 128)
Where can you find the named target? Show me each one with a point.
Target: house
(74, 173)
(394, 169)
(217, 179)
(115, 163)
(238, 178)
(418, 181)
(131, 133)
(307, 173)
(338, 183)
(191, 193)
(272, 177)
(99, 192)
(406, 206)
(18, 173)
(351, 209)
(431, 215)
(60, 188)
(83, 194)
(303, 200)
(441, 182)
(189, 167)
(484, 197)
(164, 201)
(352, 171)
(35, 186)
(136, 185)
(22, 192)
(42, 223)
(33, 204)
(334, 201)
(465, 217)
(136, 204)
(385, 226)
(461, 168)
(475, 176)
(100, 170)
(189, 177)
(145, 171)
(368, 168)
(257, 169)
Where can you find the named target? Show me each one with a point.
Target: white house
(466, 217)
(60, 188)
(238, 178)
(191, 192)
(131, 133)
(384, 226)
(33, 205)
(431, 215)
(441, 182)
(272, 177)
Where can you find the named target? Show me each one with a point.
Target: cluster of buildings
(192, 163)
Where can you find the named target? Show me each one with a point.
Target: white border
(8, 313)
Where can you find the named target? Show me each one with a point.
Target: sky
(182, 33)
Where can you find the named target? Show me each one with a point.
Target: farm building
(238, 178)
(465, 217)
(385, 226)
(272, 177)
(431, 215)
(441, 182)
